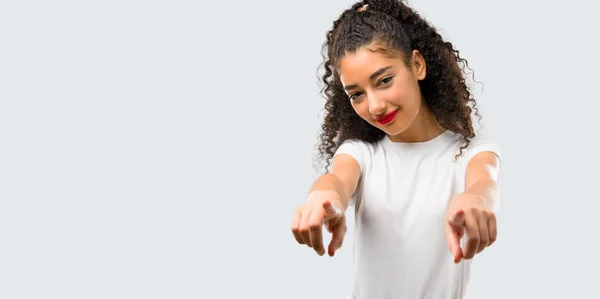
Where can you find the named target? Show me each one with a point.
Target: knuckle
(314, 226)
(485, 215)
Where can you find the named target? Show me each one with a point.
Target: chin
(393, 132)
(394, 128)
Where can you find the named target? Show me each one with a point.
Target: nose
(376, 106)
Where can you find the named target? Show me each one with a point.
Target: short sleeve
(479, 144)
(355, 149)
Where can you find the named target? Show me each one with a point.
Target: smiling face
(383, 90)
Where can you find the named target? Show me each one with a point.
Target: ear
(418, 65)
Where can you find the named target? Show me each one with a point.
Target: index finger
(458, 219)
(331, 211)
(453, 243)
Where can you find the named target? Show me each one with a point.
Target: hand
(321, 207)
(467, 215)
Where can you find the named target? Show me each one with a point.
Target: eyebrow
(372, 77)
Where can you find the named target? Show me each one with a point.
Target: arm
(327, 201)
(343, 178)
(471, 213)
(481, 179)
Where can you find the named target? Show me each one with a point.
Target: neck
(424, 128)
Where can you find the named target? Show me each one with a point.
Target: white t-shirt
(400, 249)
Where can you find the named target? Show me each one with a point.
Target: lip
(386, 119)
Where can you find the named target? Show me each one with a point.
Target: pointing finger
(337, 239)
(331, 211)
(453, 243)
(458, 219)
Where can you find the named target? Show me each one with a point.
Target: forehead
(358, 65)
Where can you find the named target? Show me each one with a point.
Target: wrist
(328, 182)
(467, 200)
(320, 196)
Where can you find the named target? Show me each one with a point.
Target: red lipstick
(386, 119)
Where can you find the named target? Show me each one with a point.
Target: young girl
(403, 152)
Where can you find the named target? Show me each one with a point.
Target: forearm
(487, 190)
(331, 182)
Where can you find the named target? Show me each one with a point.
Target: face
(383, 90)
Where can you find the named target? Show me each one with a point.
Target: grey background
(157, 149)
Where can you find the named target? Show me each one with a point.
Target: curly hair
(397, 28)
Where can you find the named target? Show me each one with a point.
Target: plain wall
(158, 149)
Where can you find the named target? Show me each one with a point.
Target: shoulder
(360, 150)
(367, 148)
(481, 143)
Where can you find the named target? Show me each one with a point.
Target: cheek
(397, 95)
(362, 109)
(405, 95)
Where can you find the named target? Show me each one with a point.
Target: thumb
(331, 211)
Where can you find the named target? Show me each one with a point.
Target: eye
(386, 80)
(354, 96)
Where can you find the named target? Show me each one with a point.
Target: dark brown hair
(397, 28)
